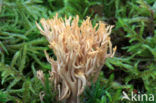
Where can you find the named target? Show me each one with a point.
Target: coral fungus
(81, 52)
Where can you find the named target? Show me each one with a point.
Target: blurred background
(21, 48)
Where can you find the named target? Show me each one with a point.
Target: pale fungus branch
(80, 50)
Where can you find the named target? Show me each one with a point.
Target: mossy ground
(21, 48)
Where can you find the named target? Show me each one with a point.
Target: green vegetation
(22, 46)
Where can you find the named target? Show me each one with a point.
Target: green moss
(22, 46)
